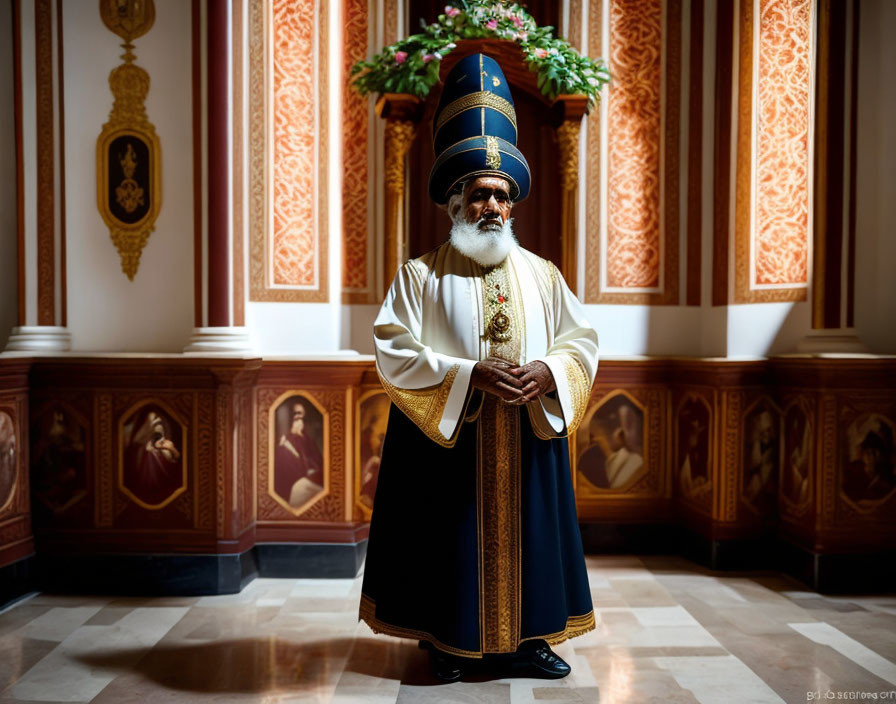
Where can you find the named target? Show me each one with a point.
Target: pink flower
(451, 11)
(400, 56)
(427, 58)
(492, 24)
(539, 53)
(517, 21)
(521, 36)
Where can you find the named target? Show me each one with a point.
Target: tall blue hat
(474, 130)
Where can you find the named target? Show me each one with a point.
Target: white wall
(106, 311)
(8, 253)
(876, 178)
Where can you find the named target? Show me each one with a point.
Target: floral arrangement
(411, 65)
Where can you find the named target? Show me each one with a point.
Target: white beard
(487, 248)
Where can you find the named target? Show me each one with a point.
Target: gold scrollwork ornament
(128, 151)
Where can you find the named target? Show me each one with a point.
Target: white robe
(432, 330)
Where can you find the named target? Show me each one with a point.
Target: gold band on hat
(480, 99)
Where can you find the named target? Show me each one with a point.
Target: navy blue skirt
(436, 571)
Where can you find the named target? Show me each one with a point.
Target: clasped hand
(513, 384)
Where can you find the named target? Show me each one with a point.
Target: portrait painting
(59, 458)
(796, 484)
(298, 464)
(8, 457)
(869, 469)
(761, 457)
(374, 415)
(693, 428)
(153, 461)
(613, 444)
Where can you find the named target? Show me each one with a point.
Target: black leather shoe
(444, 666)
(541, 661)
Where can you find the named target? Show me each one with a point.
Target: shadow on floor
(263, 665)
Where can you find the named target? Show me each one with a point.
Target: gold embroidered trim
(575, 626)
(500, 542)
(367, 613)
(579, 391)
(482, 99)
(425, 406)
(503, 329)
(553, 273)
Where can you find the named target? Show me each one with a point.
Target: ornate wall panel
(358, 258)
(143, 456)
(619, 455)
(288, 138)
(838, 478)
(773, 177)
(16, 540)
(305, 450)
(633, 255)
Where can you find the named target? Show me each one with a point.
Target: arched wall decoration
(761, 457)
(60, 436)
(795, 485)
(288, 150)
(273, 442)
(369, 407)
(179, 454)
(9, 457)
(618, 419)
(128, 151)
(866, 479)
(694, 432)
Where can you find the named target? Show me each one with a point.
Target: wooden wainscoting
(244, 466)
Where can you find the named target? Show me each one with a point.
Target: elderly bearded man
(487, 357)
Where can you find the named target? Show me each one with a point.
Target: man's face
(487, 199)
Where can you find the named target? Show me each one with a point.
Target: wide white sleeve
(572, 359)
(431, 388)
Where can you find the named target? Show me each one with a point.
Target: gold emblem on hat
(492, 155)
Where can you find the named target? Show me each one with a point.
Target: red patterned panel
(634, 115)
(295, 97)
(782, 161)
(354, 152)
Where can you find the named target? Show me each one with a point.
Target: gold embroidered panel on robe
(498, 491)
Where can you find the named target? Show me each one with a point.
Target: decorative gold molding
(568, 144)
(128, 151)
(401, 113)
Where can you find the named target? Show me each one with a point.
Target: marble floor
(670, 632)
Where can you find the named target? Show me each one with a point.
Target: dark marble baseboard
(328, 560)
(193, 575)
(867, 573)
(143, 575)
(16, 580)
(826, 573)
(635, 538)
